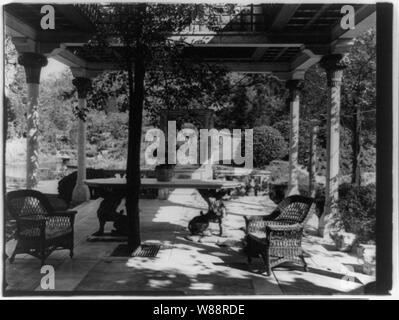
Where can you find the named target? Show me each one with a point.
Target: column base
(163, 194)
(325, 229)
(80, 194)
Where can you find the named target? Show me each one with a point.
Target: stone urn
(164, 172)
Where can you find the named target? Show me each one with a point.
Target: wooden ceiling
(263, 37)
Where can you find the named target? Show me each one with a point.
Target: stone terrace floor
(182, 267)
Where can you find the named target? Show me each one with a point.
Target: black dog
(200, 223)
(111, 209)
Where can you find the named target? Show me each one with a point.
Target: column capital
(33, 63)
(294, 86)
(83, 85)
(334, 66)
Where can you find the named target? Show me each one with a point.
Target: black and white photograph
(215, 149)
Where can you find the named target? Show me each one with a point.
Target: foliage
(108, 133)
(15, 91)
(305, 128)
(108, 84)
(254, 100)
(268, 145)
(357, 207)
(56, 116)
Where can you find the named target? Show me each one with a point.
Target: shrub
(268, 145)
(305, 129)
(357, 207)
(283, 126)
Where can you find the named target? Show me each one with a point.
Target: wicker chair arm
(66, 213)
(61, 220)
(256, 225)
(31, 226)
(284, 227)
(272, 216)
(33, 219)
(261, 224)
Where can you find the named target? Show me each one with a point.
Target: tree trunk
(136, 101)
(356, 129)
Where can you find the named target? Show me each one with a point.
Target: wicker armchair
(277, 237)
(40, 229)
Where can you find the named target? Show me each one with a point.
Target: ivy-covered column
(334, 68)
(33, 63)
(313, 158)
(294, 87)
(81, 191)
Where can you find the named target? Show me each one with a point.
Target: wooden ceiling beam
(250, 67)
(316, 16)
(282, 51)
(17, 28)
(365, 18)
(75, 16)
(304, 60)
(284, 15)
(259, 53)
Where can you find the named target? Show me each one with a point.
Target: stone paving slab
(210, 265)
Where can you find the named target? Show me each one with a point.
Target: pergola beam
(259, 39)
(316, 16)
(284, 15)
(365, 17)
(17, 28)
(282, 51)
(304, 60)
(259, 53)
(77, 18)
(250, 67)
(64, 37)
(68, 58)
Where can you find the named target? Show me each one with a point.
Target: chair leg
(220, 227)
(71, 245)
(266, 260)
(249, 258)
(43, 254)
(12, 258)
(100, 231)
(305, 265)
(15, 252)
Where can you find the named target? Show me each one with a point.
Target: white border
(395, 154)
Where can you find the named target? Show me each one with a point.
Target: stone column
(81, 191)
(294, 87)
(33, 63)
(111, 105)
(334, 69)
(312, 158)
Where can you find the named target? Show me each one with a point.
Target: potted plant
(164, 172)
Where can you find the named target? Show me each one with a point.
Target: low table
(210, 190)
